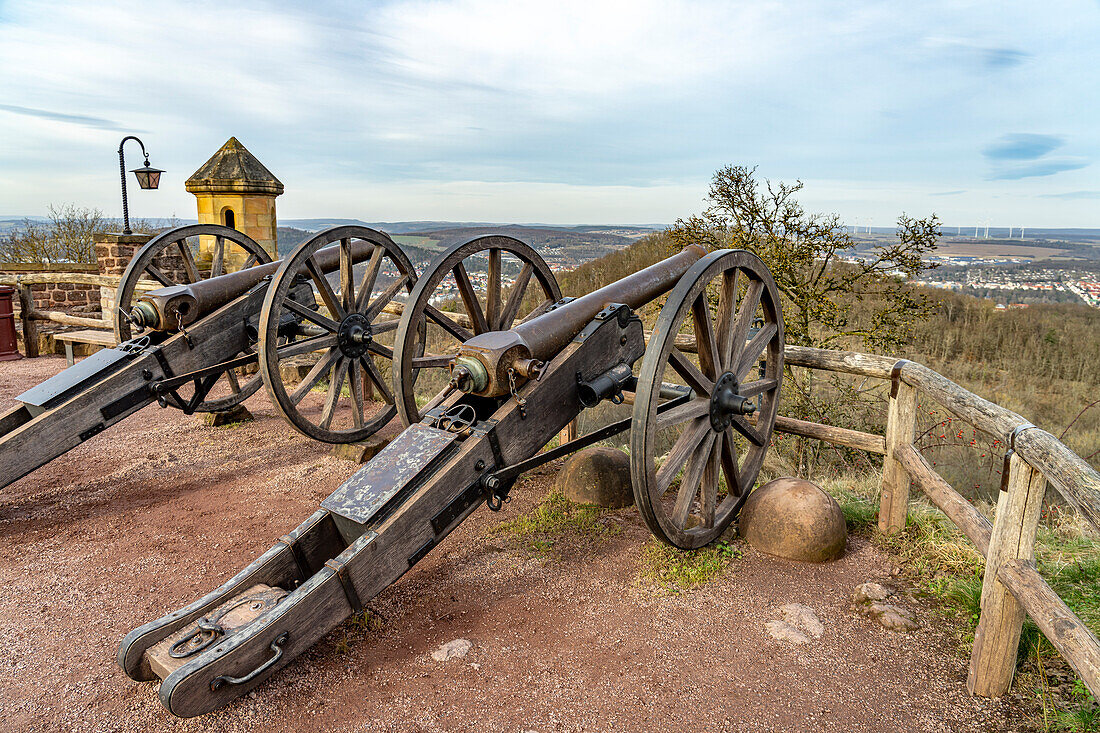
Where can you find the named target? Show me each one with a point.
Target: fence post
(993, 659)
(901, 421)
(30, 328)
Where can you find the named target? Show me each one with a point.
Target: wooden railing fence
(1012, 586)
(30, 316)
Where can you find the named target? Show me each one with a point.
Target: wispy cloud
(1038, 169)
(88, 121)
(948, 193)
(1023, 146)
(1072, 195)
(1004, 58)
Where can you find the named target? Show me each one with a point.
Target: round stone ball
(599, 476)
(794, 519)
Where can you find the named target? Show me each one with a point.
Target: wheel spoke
(746, 310)
(316, 374)
(375, 308)
(384, 326)
(493, 290)
(729, 464)
(189, 265)
(355, 384)
(347, 276)
(448, 325)
(689, 372)
(469, 299)
(311, 315)
(381, 349)
(158, 275)
(684, 446)
(708, 487)
(727, 303)
(432, 360)
(250, 262)
(515, 297)
(538, 311)
(325, 290)
(376, 377)
(217, 266)
(691, 479)
(370, 277)
(332, 399)
(709, 360)
(754, 348)
(759, 386)
(682, 413)
(306, 346)
(739, 424)
(234, 384)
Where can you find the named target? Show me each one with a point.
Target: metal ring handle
(276, 646)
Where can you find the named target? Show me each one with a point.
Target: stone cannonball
(794, 519)
(599, 476)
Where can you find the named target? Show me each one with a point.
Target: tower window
(230, 219)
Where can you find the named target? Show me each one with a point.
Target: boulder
(236, 414)
(599, 476)
(794, 519)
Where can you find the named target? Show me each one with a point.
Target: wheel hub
(725, 402)
(354, 336)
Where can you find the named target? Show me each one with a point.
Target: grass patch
(948, 567)
(679, 570)
(357, 627)
(556, 515)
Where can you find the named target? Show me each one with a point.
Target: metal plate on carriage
(60, 387)
(395, 467)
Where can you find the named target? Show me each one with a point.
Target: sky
(565, 112)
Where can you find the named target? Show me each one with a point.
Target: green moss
(556, 515)
(678, 570)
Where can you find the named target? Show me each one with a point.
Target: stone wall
(59, 296)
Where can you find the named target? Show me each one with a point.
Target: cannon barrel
(166, 308)
(483, 363)
(547, 334)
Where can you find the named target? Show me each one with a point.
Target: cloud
(1037, 169)
(1072, 195)
(948, 193)
(88, 121)
(1023, 146)
(1003, 58)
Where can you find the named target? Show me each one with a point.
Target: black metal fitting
(606, 386)
(725, 402)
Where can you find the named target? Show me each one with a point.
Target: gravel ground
(159, 509)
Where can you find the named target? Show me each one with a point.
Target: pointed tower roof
(234, 170)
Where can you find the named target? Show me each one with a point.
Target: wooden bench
(91, 336)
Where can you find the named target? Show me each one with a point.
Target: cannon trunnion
(702, 418)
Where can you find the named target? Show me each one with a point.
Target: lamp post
(147, 178)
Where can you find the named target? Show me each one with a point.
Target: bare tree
(68, 236)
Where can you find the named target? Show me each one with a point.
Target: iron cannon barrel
(188, 303)
(547, 334)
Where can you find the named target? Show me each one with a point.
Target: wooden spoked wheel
(343, 328)
(693, 465)
(487, 284)
(170, 259)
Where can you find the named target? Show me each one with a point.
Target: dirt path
(158, 510)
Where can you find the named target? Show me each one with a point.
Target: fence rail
(1012, 586)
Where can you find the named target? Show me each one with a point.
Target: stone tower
(236, 190)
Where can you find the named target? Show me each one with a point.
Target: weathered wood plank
(1062, 627)
(30, 328)
(831, 434)
(993, 658)
(1075, 480)
(847, 362)
(976, 527)
(901, 420)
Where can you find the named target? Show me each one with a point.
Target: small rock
(798, 626)
(869, 593)
(892, 617)
(235, 414)
(362, 451)
(475, 665)
(452, 650)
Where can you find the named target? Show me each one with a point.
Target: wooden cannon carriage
(513, 371)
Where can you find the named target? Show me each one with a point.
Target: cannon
(512, 370)
(194, 343)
